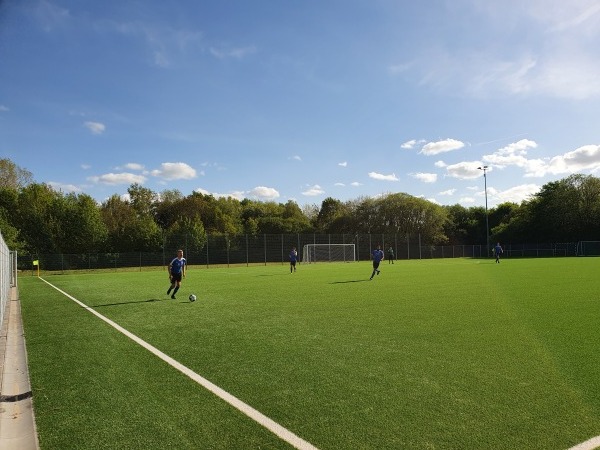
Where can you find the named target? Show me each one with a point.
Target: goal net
(313, 253)
(588, 248)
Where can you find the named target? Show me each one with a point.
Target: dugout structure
(312, 253)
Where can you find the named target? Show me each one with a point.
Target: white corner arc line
(590, 444)
(246, 409)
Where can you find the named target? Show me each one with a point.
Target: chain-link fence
(222, 250)
(8, 278)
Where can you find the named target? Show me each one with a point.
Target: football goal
(312, 253)
(588, 248)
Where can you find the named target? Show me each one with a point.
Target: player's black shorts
(293, 263)
(376, 264)
(176, 277)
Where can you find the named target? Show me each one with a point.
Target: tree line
(36, 219)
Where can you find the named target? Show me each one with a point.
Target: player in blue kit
(293, 259)
(378, 256)
(498, 251)
(176, 273)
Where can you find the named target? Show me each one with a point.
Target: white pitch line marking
(249, 411)
(590, 444)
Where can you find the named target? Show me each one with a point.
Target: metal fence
(8, 278)
(222, 250)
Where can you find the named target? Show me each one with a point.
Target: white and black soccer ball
(192, 298)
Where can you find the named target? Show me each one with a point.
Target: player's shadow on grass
(150, 300)
(273, 274)
(349, 281)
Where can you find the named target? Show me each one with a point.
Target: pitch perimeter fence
(8, 277)
(221, 250)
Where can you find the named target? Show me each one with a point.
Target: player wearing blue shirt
(176, 272)
(293, 259)
(378, 256)
(497, 251)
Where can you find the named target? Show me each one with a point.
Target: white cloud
(175, 171)
(95, 127)
(516, 194)
(515, 155)
(355, 184)
(86, 166)
(379, 176)
(296, 157)
(61, 187)
(440, 164)
(343, 164)
(425, 177)
(234, 52)
(571, 16)
(264, 193)
(409, 144)
(396, 69)
(582, 158)
(118, 178)
(447, 145)
(4, 108)
(313, 191)
(464, 170)
(448, 192)
(466, 200)
(239, 195)
(131, 166)
(339, 184)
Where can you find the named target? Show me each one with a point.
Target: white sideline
(588, 445)
(259, 417)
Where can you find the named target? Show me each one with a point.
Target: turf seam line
(280, 431)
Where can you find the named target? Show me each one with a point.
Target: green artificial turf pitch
(431, 354)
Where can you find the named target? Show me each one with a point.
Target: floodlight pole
(487, 225)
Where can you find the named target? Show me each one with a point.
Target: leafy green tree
(296, 221)
(82, 229)
(566, 210)
(127, 230)
(166, 208)
(9, 203)
(187, 234)
(367, 217)
(39, 223)
(204, 206)
(251, 226)
(272, 225)
(331, 209)
(10, 234)
(142, 200)
(229, 216)
(12, 176)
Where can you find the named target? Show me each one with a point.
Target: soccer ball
(192, 298)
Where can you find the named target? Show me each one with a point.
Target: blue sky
(302, 100)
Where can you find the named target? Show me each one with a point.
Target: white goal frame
(312, 253)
